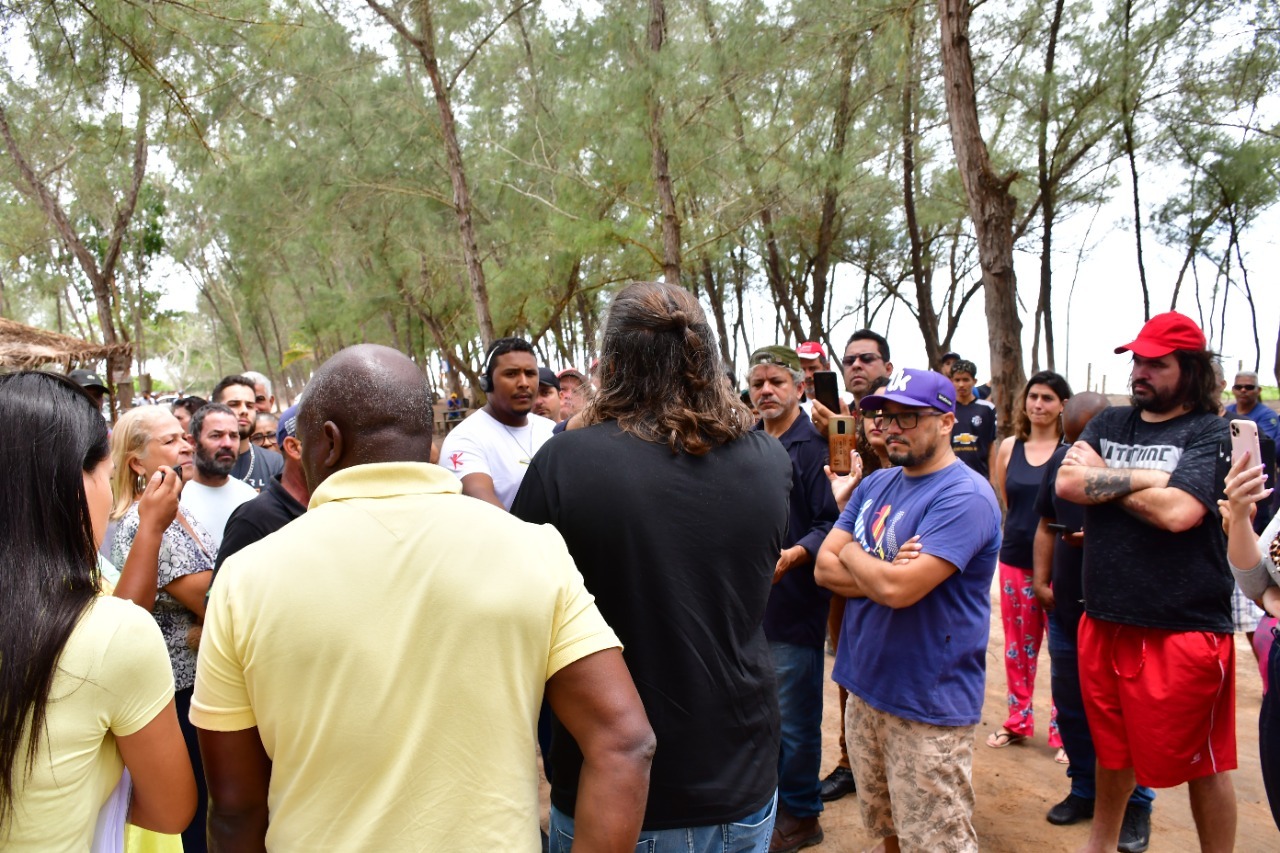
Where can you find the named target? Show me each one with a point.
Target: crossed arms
(846, 569)
(1084, 478)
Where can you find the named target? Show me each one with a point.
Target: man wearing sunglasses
(914, 552)
(1248, 404)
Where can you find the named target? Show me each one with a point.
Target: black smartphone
(825, 390)
(1060, 528)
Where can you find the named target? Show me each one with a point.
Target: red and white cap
(809, 350)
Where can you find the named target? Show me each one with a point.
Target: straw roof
(25, 347)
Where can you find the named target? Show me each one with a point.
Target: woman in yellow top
(95, 693)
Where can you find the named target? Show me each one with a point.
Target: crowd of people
(327, 628)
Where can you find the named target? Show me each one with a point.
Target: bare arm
(832, 574)
(481, 486)
(239, 775)
(1245, 485)
(190, 590)
(1143, 493)
(1042, 565)
(895, 585)
(1000, 468)
(156, 510)
(597, 702)
(164, 788)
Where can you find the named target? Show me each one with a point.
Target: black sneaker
(1135, 832)
(839, 783)
(1071, 810)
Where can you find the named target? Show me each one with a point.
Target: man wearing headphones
(491, 450)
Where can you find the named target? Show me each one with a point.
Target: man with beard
(214, 494)
(254, 465)
(675, 512)
(1156, 653)
(491, 450)
(795, 620)
(866, 363)
(914, 552)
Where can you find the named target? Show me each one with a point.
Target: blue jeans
(1072, 725)
(799, 673)
(749, 835)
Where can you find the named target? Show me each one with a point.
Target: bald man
(370, 678)
(1058, 558)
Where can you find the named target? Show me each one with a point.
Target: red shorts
(1161, 702)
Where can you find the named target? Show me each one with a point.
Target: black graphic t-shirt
(1136, 573)
(974, 433)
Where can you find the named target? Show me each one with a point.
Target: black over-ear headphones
(486, 378)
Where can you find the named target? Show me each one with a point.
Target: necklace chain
(528, 451)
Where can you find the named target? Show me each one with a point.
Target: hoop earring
(139, 484)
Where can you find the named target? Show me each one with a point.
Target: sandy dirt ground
(1015, 786)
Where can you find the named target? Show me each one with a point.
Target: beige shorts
(915, 780)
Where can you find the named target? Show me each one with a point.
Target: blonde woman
(165, 556)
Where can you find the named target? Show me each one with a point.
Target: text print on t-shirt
(883, 541)
(1158, 457)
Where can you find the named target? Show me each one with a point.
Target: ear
(136, 466)
(947, 422)
(888, 368)
(292, 448)
(332, 437)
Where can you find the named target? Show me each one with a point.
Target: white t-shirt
(484, 445)
(212, 507)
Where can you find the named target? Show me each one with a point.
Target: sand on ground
(1015, 786)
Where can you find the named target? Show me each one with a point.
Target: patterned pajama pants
(1024, 626)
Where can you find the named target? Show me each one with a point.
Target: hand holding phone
(825, 390)
(841, 439)
(1244, 439)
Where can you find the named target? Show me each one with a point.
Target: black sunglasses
(1244, 387)
(864, 357)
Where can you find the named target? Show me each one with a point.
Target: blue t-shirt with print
(926, 662)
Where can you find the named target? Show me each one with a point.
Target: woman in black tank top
(1020, 466)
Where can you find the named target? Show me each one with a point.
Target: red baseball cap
(1165, 333)
(809, 349)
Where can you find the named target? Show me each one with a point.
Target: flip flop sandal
(1003, 738)
(1061, 756)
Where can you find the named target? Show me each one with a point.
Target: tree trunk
(926, 317)
(426, 47)
(1128, 108)
(831, 192)
(991, 207)
(658, 145)
(1048, 203)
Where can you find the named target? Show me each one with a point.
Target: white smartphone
(1244, 437)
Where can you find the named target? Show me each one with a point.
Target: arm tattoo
(1102, 485)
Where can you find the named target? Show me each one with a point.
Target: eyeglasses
(864, 357)
(904, 420)
(1244, 387)
(260, 398)
(263, 437)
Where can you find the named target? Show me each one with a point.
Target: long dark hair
(53, 435)
(1198, 384)
(660, 373)
(1055, 383)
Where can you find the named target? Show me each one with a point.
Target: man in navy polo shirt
(795, 619)
(914, 552)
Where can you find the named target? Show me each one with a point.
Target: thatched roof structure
(26, 347)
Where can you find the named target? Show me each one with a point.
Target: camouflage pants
(915, 780)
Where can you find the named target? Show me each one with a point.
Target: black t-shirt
(272, 509)
(974, 433)
(679, 552)
(1138, 574)
(1021, 485)
(1068, 560)
(257, 466)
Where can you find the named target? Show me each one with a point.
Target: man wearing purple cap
(282, 500)
(1156, 651)
(914, 552)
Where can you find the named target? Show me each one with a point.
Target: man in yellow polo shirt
(370, 675)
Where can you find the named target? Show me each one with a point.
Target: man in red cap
(1156, 652)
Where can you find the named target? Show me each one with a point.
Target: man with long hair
(675, 511)
(1155, 647)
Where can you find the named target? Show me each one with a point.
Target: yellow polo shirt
(392, 646)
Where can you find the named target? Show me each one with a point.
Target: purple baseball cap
(914, 388)
(288, 427)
